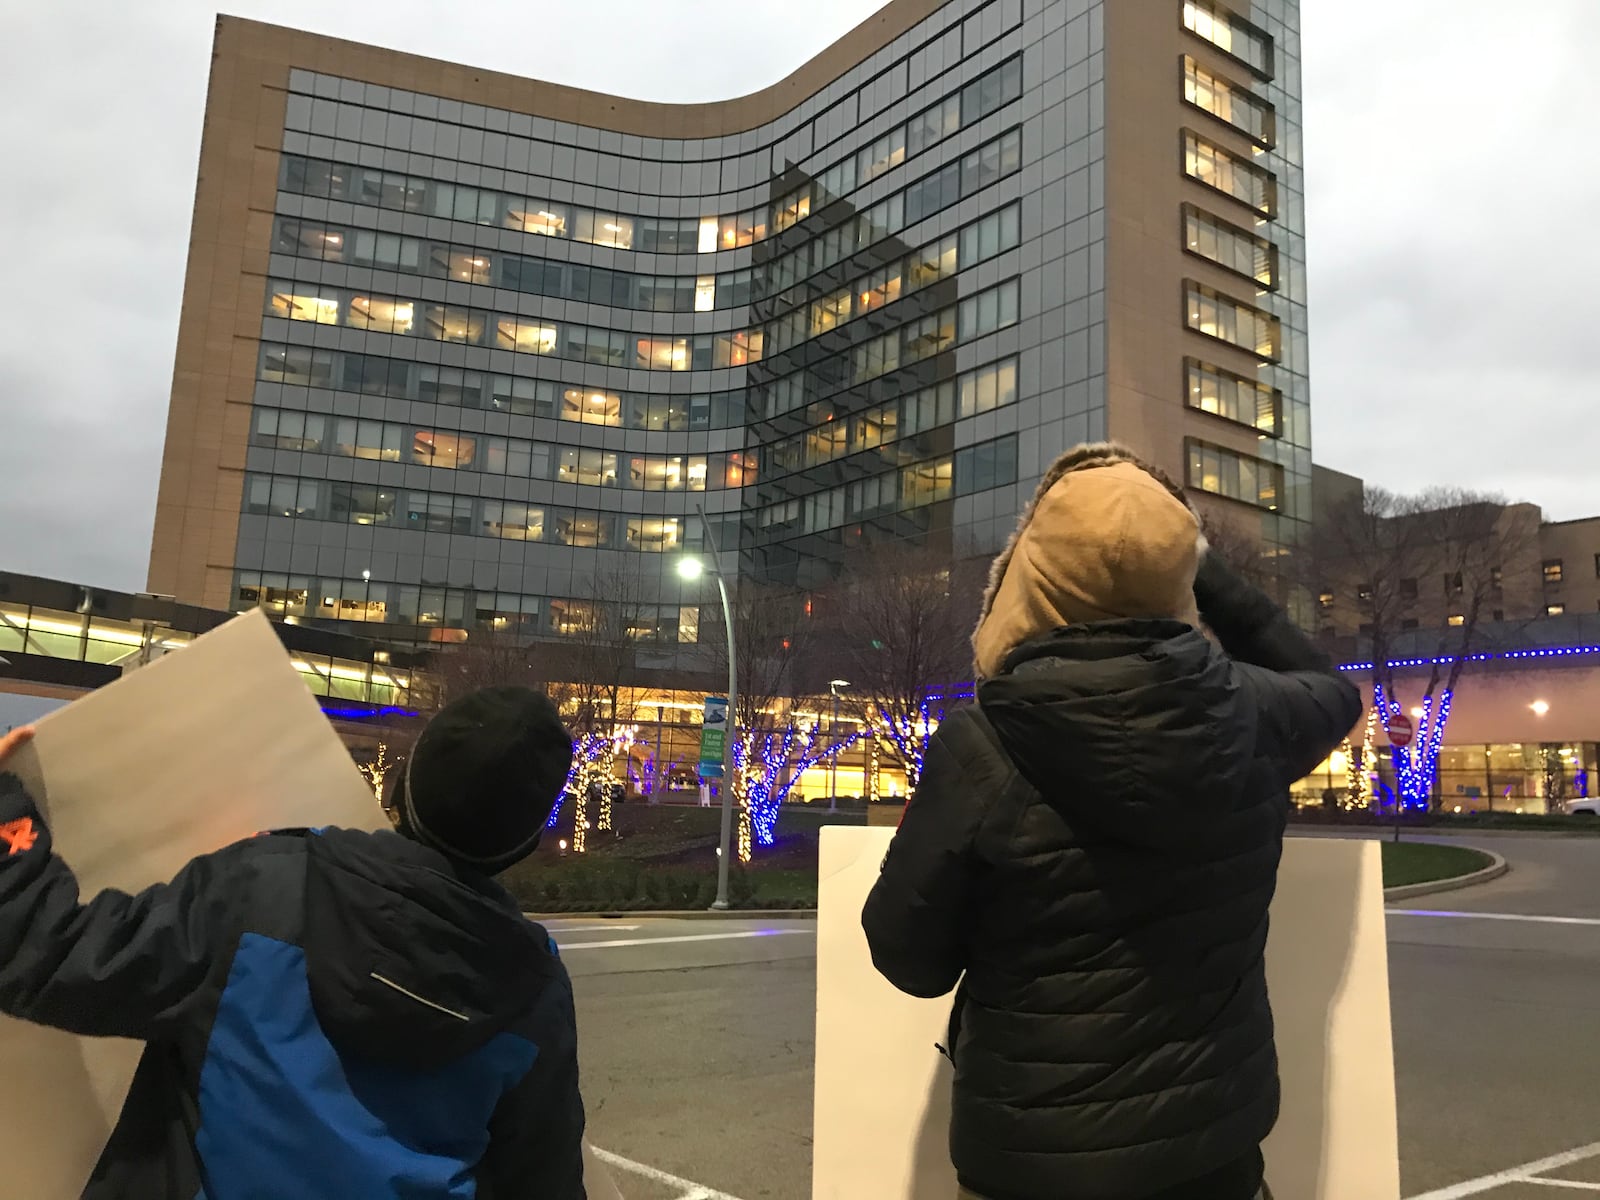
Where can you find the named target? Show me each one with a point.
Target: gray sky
(1443, 138)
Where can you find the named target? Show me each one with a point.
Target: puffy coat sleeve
(918, 912)
(1306, 707)
(118, 966)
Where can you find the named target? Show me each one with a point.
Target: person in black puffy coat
(1093, 847)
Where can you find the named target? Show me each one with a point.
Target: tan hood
(1105, 537)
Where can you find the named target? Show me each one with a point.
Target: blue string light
(1507, 655)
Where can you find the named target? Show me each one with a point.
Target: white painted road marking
(598, 927)
(1485, 916)
(690, 937)
(1522, 1174)
(1566, 1183)
(689, 1189)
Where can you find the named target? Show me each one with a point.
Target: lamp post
(833, 731)
(693, 568)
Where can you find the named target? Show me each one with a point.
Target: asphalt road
(697, 1053)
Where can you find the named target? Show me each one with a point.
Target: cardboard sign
(201, 748)
(882, 1099)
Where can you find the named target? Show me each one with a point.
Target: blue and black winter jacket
(327, 1016)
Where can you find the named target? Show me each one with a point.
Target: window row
(438, 512)
(364, 600)
(989, 310)
(1223, 472)
(406, 317)
(431, 383)
(1231, 34)
(1229, 103)
(1229, 174)
(513, 272)
(1233, 397)
(988, 93)
(1230, 247)
(532, 335)
(836, 435)
(400, 192)
(955, 252)
(973, 469)
(1215, 315)
(314, 433)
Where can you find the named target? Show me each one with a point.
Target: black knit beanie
(484, 776)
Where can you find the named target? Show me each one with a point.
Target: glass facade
(501, 355)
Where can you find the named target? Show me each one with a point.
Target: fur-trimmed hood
(1114, 538)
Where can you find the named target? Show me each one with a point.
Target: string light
(766, 768)
(377, 769)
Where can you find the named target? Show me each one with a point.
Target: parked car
(1584, 808)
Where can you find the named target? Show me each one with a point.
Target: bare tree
(603, 632)
(1241, 549)
(1433, 563)
(902, 625)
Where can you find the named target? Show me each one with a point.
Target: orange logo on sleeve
(19, 835)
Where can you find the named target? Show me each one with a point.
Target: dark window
(1365, 592)
(1496, 575)
(1408, 589)
(1453, 584)
(1499, 614)
(1409, 623)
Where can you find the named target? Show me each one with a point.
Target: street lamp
(833, 768)
(1540, 707)
(692, 568)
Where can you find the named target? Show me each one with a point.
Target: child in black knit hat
(342, 1013)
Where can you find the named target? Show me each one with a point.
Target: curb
(1496, 868)
(694, 914)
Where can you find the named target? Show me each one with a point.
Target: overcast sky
(1452, 184)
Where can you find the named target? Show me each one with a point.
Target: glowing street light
(1540, 707)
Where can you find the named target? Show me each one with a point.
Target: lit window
(1233, 397)
(1553, 570)
(381, 314)
(1233, 249)
(518, 522)
(548, 220)
(1223, 472)
(1229, 174)
(1235, 37)
(284, 302)
(656, 535)
(1325, 599)
(447, 450)
(525, 336)
(707, 235)
(1228, 102)
(688, 624)
(1213, 314)
(705, 291)
(591, 407)
(1554, 610)
(605, 229)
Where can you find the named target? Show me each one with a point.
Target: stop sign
(1400, 731)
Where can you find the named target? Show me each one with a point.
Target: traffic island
(1412, 869)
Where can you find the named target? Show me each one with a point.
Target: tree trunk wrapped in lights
(1433, 563)
(767, 766)
(594, 759)
(377, 769)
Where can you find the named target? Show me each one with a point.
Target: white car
(1584, 808)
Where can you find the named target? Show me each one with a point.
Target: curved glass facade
(493, 340)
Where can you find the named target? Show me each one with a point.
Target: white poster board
(201, 748)
(882, 1099)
